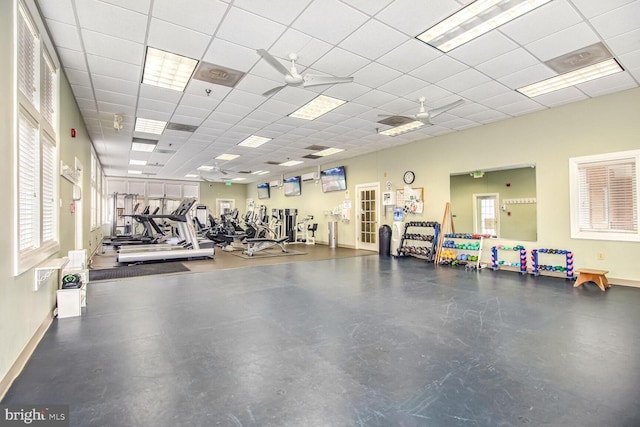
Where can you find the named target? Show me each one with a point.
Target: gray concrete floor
(359, 341)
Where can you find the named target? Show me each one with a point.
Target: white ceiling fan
(425, 116)
(293, 78)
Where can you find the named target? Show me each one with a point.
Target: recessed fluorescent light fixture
(149, 126)
(227, 156)
(408, 127)
(474, 20)
(205, 168)
(167, 69)
(143, 146)
(254, 141)
(238, 179)
(134, 172)
(291, 163)
(328, 152)
(572, 78)
(317, 107)
(191, 175)
(259, 173)
(138, 162)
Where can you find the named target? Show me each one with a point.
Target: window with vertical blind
(604, 196)
(36, 156)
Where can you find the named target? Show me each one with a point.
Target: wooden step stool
(591, 275)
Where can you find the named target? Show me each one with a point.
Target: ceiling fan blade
(272, 91)
(273, 62)
(315, 80)
(425, 121)
(437, 111)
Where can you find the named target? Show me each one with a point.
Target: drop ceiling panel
(58, 10)
(248, 99)
(527, 76)
(155, 105)
(64, 35)
(507, 63)
(618, 21)
(283, 11)
(142, 6)
(374, 75)
(112, 47)
(77, 77)
(608, 84)
(82, 91)
(111, 108)
(591, 8)
(175, 39)
(329, 20)
(231, 55)
(112, 20)
(115, 98)
(152, 114)
(346, 92)
(483, 91)
(413, 17)
(257, 32)
(463, 80)
(438, 69)
(541, 22)
(308, 49)
(206, 20)
(196, 113)
(403, 85)
(374, 98)
(563, 42)
(72, 59)
(373, 40)
(483, 49)
(339, 62)
(625, 43)
(99, 65)
(160, 93)
(103, 83)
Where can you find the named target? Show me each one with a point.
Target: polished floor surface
(359, 341)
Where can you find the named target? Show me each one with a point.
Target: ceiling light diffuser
(328, 152)
(254, 141)
(191, 175)
(259, 173)
(572, 78)
(132, 172)
(474, 20)
(227, 157)
(317, 107)
(291, 163)
(138, 162)
(149, 126)
(142, 146)
(408, 127)
(167, 69)
(238, 179)
(205, 168)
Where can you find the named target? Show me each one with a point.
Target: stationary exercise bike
(307, 231)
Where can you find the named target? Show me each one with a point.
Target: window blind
(27, 56)
(48, 189)
(27, 184)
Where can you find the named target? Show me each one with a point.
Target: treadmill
(190, 248)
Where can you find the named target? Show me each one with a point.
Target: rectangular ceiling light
(328, 152)
(259, 173)
(291, 163)
(317, 107)
(149, 126)
(403, 128)
(238, 179)
(138, 162)
(227, 157)
(132, 172)
(205, 168)
(572, 78)
(143, 146)
(474, 20)
(254, 141)
(191, 175)
(167, 69)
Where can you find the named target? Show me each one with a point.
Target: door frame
(476, 198)
(358, 189)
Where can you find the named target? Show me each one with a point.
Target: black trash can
(384, 241)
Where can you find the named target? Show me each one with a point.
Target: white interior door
(485, 214)
(368, 212)
(78, 201)
(224, 204)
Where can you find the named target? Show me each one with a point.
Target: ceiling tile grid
(102, 46)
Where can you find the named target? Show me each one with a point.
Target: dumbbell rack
(454, 237)
(423, 245)
(520, 266)
(537, 268)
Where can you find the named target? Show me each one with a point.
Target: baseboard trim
(624, 282)
(25, 355)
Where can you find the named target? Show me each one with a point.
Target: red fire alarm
(73, 133)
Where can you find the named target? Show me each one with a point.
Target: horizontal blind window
(607, 196)
(48, 190)
(27, 56)
(27, 184)
(48, 109)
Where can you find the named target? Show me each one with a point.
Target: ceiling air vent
(394, 121)
(580, 58)
(311, 156)
(271, 162)
(181, 127)
(164, 151)
(316, 147)
(217, 74)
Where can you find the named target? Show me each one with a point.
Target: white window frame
(574, 191)
(41, 112)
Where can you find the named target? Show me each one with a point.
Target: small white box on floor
(69, 302)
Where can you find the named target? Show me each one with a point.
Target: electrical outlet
(600, 256)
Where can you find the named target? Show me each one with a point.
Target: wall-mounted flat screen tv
(292, 186)
(263, 190)
(333, 179)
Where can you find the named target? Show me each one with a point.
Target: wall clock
(409, 177)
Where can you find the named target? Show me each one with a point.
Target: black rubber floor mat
(136, 270)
